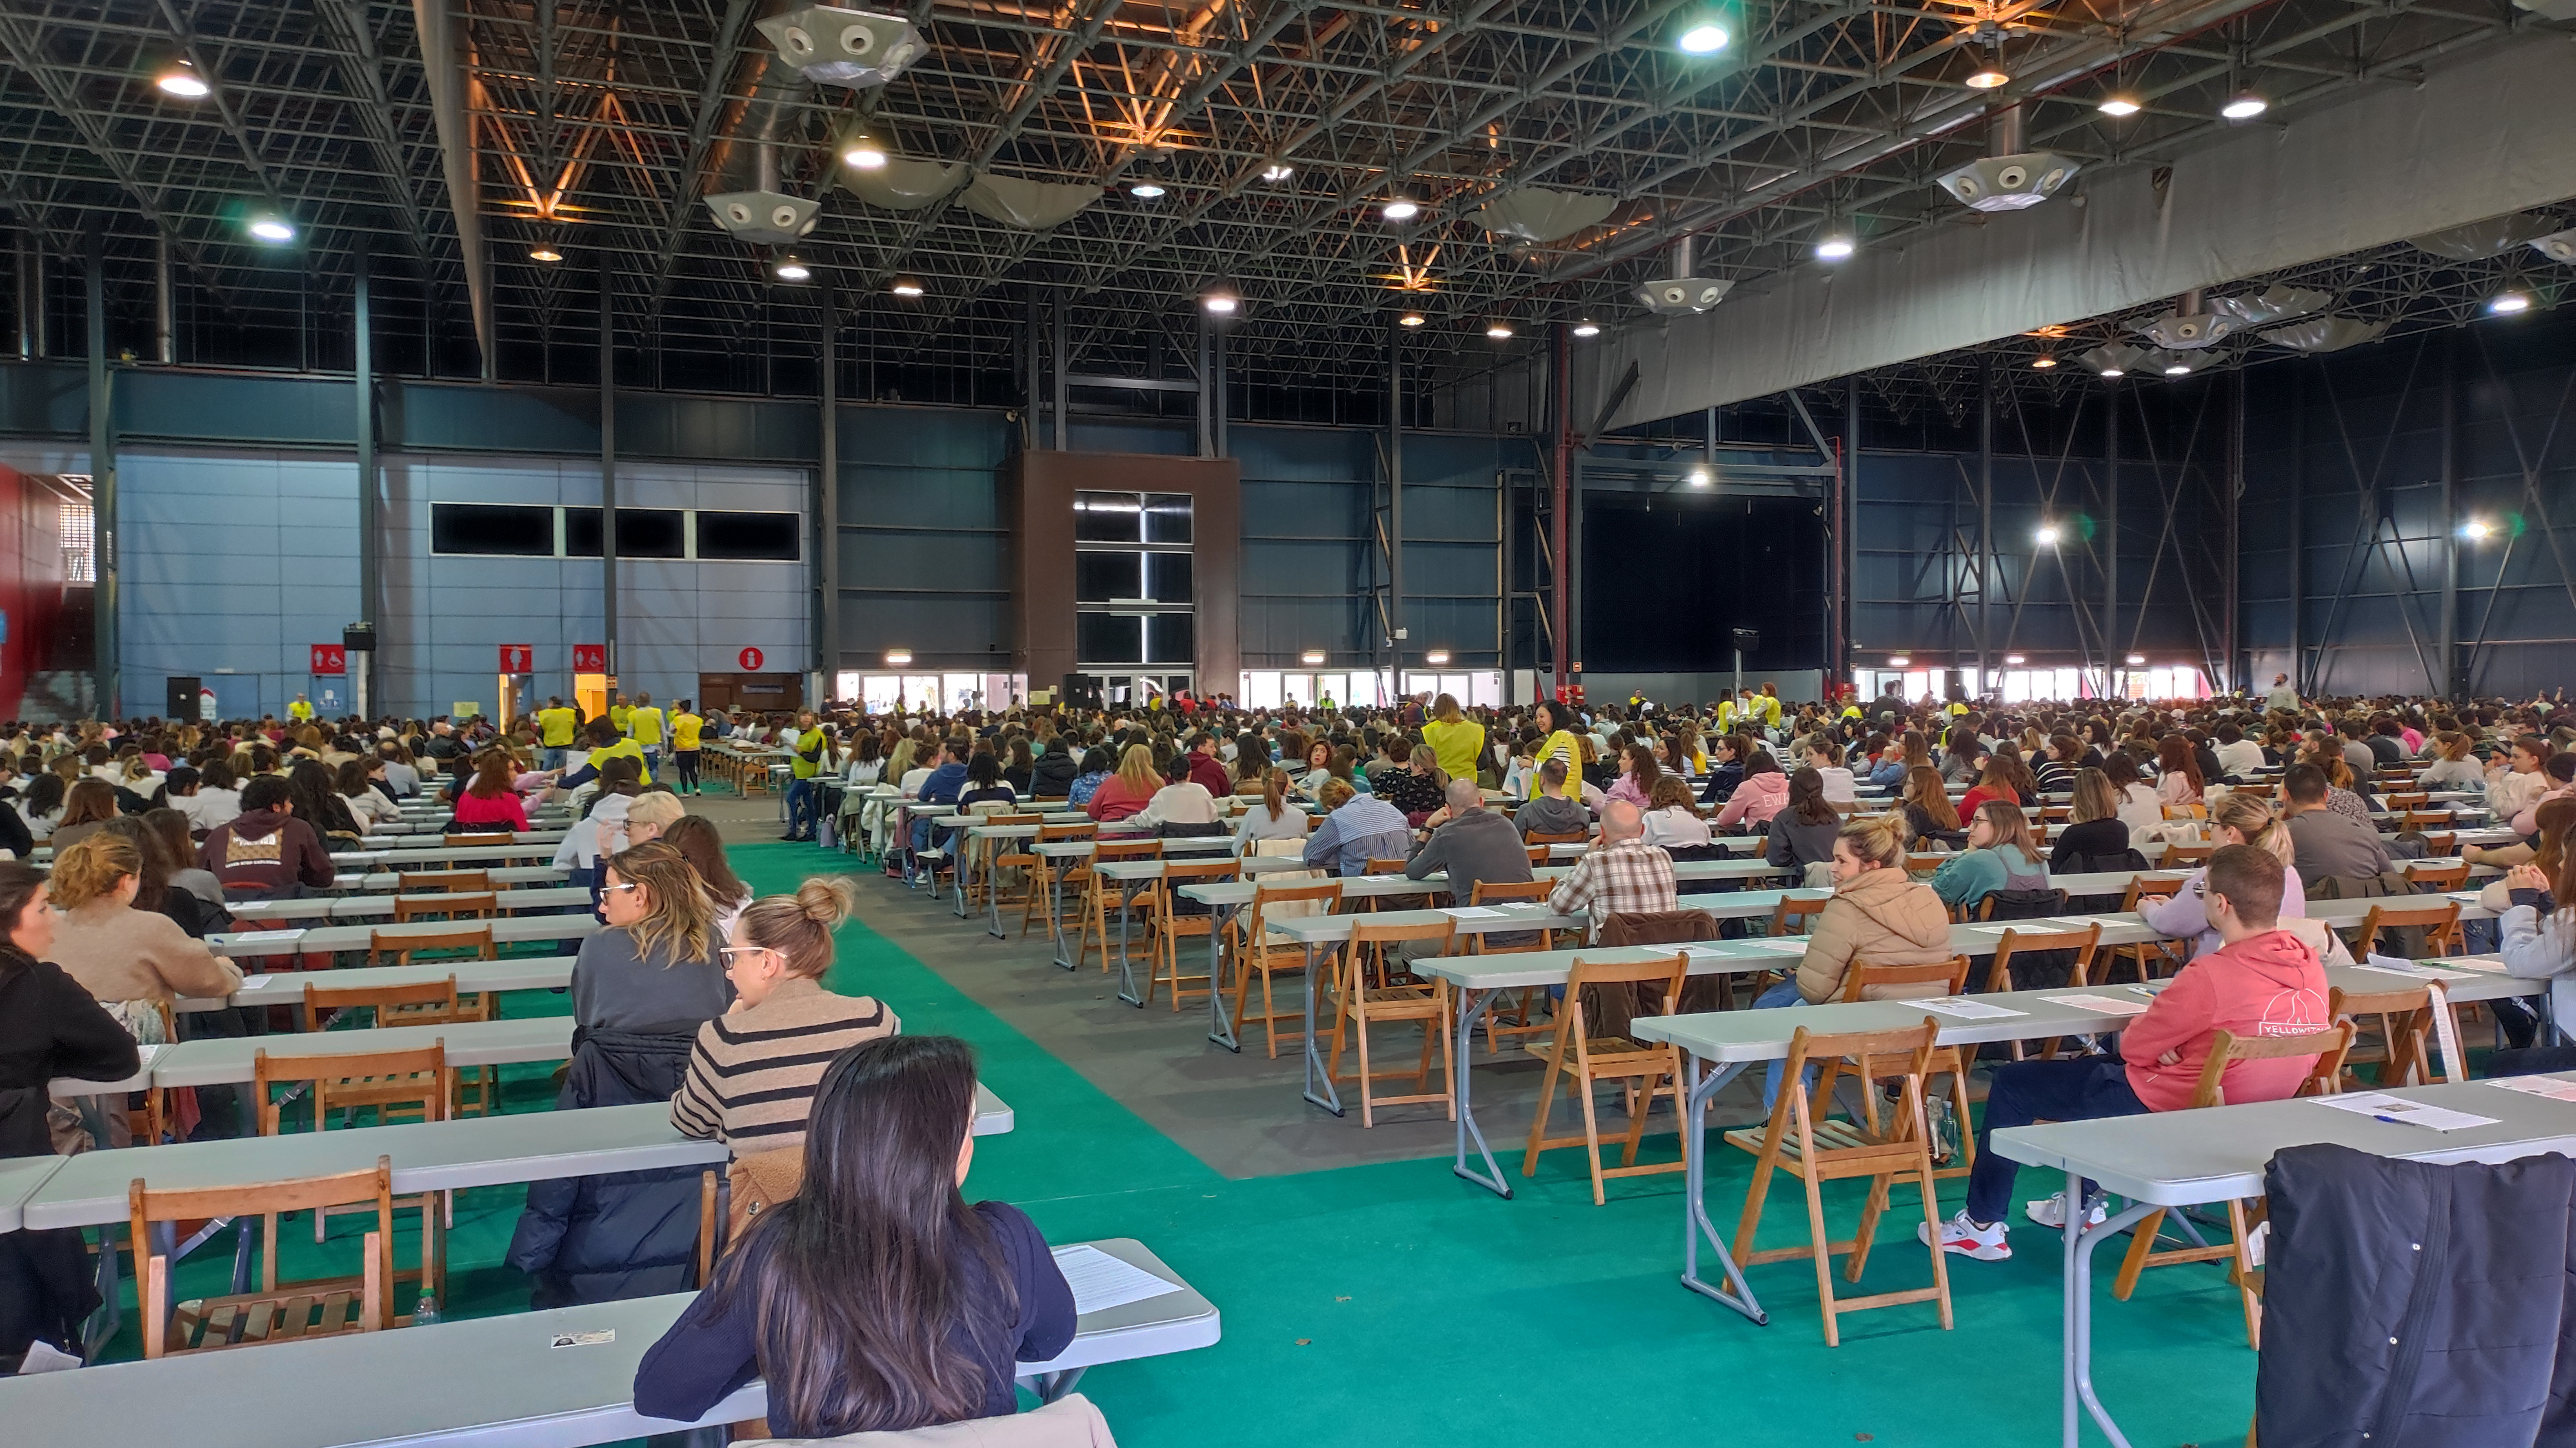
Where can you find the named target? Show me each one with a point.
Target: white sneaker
(2052, 1212)
(1984, 1244)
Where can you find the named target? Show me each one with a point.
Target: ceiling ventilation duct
(2482, 239)
(1682, 294)
(1027, 205)
(844, 47)
(1533, 214)
(2008, 178)
(902, 184)
(2273, 303)
(742, 186)
(2190, 326)
(2557, 245)
(2325, 334)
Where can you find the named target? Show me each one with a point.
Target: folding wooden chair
(1541, 856)
(2147, 955)
(1577, 1058)
(2256, 791)
(2407, 800)
(421, 882)
(1166, 926)
(1096, 892)
(2226, 1049)
(1792, 916)
(2433, 877)
(1252, 951)
(275, 1312)
(1000, 855)
(1376, 903)
(403, 945)
(1559, 837)
(1361, 1003)
(2083, 942)
(2180, 856)
(1817, 1151)
(2440, 920)
(458, 842)
(2420, 820)
(415, 1084)
(1952, 976)
(424, 1003)
(1047, 879)
(1920, 863)
(1513, 1021)
(2403, 1050)
(482, 906)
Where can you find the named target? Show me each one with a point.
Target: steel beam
(104, 545)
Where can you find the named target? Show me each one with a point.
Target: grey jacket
(1552, 814)
(1475, 847)
(614, 989)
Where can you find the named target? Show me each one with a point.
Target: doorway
(590, 694)
(763, 693)
(1139, 691)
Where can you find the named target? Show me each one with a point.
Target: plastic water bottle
(424, 1313)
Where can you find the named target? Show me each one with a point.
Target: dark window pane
(641, 533)
(1106, 638)
(517, 532)
(1105, 517)
(1170, 638)
(1167, 517)
(1167, 577)
(1100, 577)
(769, 536)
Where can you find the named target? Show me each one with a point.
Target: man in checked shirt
(1621, 875)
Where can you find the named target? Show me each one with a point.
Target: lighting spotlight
(1436, 657)
(2177, 369)
(791, 269)
(1311, 657)
(897, 658)
(906, 287)
(1277, 171)
(2477, 529)
(1499, 331)
(1587, 328)
(2048, 535)
(2135, 659)
(1705, 38)
(1145, 190)
(2245, 105)
(272, 229)
(1400, 209)
(1410, 319)
(182, 80)
(2015, 660)
(1700, 477)
(2115, 371)
(2043, 362)
(1221, 302)
(863, 152)
(2507, 303)
(1898, 661)
(545, 252)
(2119, 103)
(1988, 77)
(1835, 244)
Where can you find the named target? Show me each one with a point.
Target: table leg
(1696, 1226)
(1126, 962)
(961, 853)
(993, 897)
(1220, 1027)
(1472, 1006)
(1055, 911)
(1317, 1068)
(1051, 1386)
(2081, 1242)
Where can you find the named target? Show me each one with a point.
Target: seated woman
(2001, 855)
(1803, 834)
(986, 792)
(1128, 791)
(875, 1297)
(752, 1070)
(365, 804)
(1876, 914)
(1726, 769)
(87, 807)
(1763, 792)
(1674, 823)
(1093, 773)
(490, 801)
(1182, 801)
(1994, 782)
(1357, 828)
(1638, 771)
(1272, 818)
(702, 844)
(2240, 819)
(2139, 808)
(655, 963)
(2095, 837)
(1929, 815)
(2179, 781)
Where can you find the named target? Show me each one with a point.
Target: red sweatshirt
(1115, 801)
(2269, 985)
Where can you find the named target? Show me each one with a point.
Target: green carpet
(1396, 1304)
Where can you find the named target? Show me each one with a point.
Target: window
(1133, 585)
(758, 537)
(641, 533)
(496, 529)
(1171, 638)
(1107, 518)
(1109, 638)
(1167, 517)
(1102, 577)
(1167, 576)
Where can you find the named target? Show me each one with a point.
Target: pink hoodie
(2269, 985)
(1756, 800)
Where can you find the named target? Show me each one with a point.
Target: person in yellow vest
(604, 744)
(301, 710)
(804, 797)
(1554, 719)
(644, 725)
(620, 712)
(555, 727)
(685, 725)
(1770, 702)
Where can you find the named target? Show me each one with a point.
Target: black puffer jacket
(2407, 1305)
(1052, 778)
(627, 1234)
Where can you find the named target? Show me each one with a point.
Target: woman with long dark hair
(308, 785)
(874, 1298)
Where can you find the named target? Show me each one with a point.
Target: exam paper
(2381, 1106)
(1775, 947)
(1964, 1008)
(1473, 912)
(2550, 1086)
(256, 937)
(1100, 1281)
(2107, 1005)
(2391, 965)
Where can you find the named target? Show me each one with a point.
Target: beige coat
(119, 953)
(1885, 918)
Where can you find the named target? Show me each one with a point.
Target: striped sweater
(752, 1072)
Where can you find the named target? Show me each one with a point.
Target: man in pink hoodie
(2262, 981)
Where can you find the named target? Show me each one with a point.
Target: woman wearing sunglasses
(655, 966)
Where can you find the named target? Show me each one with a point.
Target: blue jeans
(800, 809)
(1782, 995)
(2086, 1088)
(550, 757)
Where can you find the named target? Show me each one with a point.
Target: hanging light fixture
(1587, 328)
(2043, 362)
(1701, 477)
(544, 251)
(1836, 242)
(2047, 535)
(1145, 190)
(863, 153)
(1705, 38)
(2244, 104)
(1410, 319)
(181, 80)
(2505, 304)
(1398, 208)
(2119, 103)
(907, 287)
(273, 229)
(1500, 331)
(792, 268)
(1221, 300)
(1277, 171)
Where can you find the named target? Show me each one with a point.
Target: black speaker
(1748, 639)
(181, 705)
(1954, 686)
(358, 638)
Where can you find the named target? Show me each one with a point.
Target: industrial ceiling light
(2137, 658)
(1898, 661)
(2177, 369)
(844, 47)
(897, 658)
(1410, 319)
(2477, 530)
(544, 251)
(2048, 535)
(1706, 38)
(1311, 657)
(1145, 190)
(182, 80)
(273, 229)
(1836, 242)
(1700, 477)
(1989, 76)
(2119, 104)
(1399, 208)
(1277, 171)
(2505, 304)
(1587, 328)
(2014, 660)
(907, 287)
(1682, 293)
(1436, 657)
(1499, 331)
(2043, 361)
(1221, 300)
(2244, 105)
(2114, 359)
(864, 153)
(792, 268)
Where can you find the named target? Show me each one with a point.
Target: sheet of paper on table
(2550, 1086)
(255, 937)
(2107, 1005)
(2391, 965)
(2380, 1106)
(1100, 1281)
(1473, 912)
(1774, 947)
(1965, 1009)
